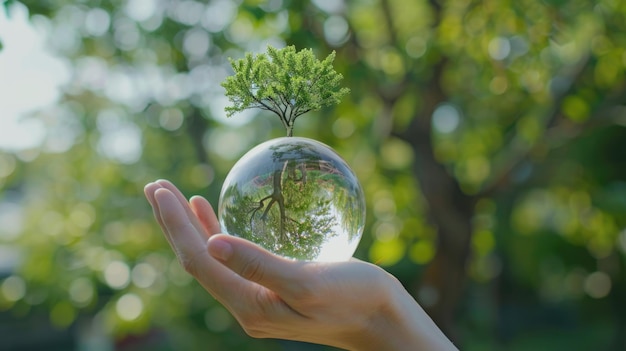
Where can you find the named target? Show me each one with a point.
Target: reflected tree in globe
(295, 197)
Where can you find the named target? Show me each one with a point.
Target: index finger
(206, 215)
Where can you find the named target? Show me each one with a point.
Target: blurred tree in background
(489, 136)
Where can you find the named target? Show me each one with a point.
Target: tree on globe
(294, 196)
(286, 82)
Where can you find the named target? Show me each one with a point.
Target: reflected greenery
(292, 196)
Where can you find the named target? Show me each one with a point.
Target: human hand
(352, 305)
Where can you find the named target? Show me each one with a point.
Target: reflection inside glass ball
(295, 197)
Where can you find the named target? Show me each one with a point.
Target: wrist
(400, 324)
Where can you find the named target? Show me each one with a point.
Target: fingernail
(162, 181)
(220, 249)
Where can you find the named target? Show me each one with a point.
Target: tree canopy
(284, 81)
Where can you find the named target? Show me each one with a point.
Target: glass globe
(295, 197)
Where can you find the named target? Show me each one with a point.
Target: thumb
(256, 264)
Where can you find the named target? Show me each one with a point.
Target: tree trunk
(450, 211)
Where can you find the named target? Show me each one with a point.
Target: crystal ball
(297, 198)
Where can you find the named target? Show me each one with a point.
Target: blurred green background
(489, 137)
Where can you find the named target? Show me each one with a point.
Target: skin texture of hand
(352, 305)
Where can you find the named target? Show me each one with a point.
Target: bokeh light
(129, 307)
(117, 274)
(487, 137)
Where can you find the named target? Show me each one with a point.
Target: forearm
(419, 330)
(402, 325)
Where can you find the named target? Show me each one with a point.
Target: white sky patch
(120, 139)
(30, 80)
(336, 30)
(446, 118)
(141, 10)
(330, 6)
(218, 14)
(33, 79)
(217, 106)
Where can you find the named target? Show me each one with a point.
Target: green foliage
(301, 200)
(528, 126)
(295, 231)
(285, 82)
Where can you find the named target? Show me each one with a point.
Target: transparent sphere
(295, 197)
